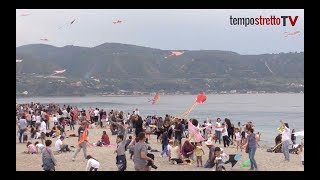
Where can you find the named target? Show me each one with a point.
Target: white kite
(44, 39)
(300, 133)
(58, 72)
(175, 53)
(18, 60)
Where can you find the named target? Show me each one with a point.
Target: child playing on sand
(92, 164)
(199, 153)
(131, 147)
(121, 160)
(238, 138)
(169, 149)
(31, 148)
(165, 142)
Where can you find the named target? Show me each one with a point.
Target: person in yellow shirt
(199, 153)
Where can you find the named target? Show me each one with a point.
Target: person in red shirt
(105, 138)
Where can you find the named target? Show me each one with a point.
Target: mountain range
(120, 68)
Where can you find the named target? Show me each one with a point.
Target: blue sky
(189, 29)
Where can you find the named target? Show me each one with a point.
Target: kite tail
(192, 107)
(185, 112)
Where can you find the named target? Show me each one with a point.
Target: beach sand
(266, 161)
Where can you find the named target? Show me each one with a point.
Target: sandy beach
(32, 162)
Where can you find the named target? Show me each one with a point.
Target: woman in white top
(93, 164)
(225, 135)
(218, 130)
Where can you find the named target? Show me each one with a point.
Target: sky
(166, 29)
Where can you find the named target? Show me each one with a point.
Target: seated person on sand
(176, 157)
(31, 148)
(39, 147)
(217, 159)
(104, 140)
(187, 150)
(53, 131)
(60, 146)
(277, 148)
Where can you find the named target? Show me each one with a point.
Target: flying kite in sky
(174, 53)
(44, 39)
(18, 60)
(116, 22)
(25, 14)
(300, 133)
(58, 72)
(292, 33)
(199, 100)
(155, 98)
(68, 23)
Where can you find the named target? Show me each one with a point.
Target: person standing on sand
(22, 127)
(48, 160)
(286, 137)
(121, 160)
(82, 140)
(140, 157)
(252, 147)
(43, 130)
(218, 130)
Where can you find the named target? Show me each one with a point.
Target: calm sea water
(264, 110)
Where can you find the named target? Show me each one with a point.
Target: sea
(264, 110)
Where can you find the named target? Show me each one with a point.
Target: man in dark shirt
(178, 130)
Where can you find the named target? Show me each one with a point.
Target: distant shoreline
(142, 95)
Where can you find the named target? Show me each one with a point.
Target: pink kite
(116, 22)
(25, 14)
(292, 33)
(174, 53)
(194, 134)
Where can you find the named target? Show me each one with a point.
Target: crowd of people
(35, 119)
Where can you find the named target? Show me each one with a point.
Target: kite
(292, 33)
(44, 39)
(155, 98)
(194, 133)
(246, 163)
(233, 159)
(199, 100)
(69, 23)
(116, 22)
(25, 14)
(174, 53)
(18, 60)
(300, 133)
(58, 72)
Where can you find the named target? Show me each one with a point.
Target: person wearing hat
(209, 144)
